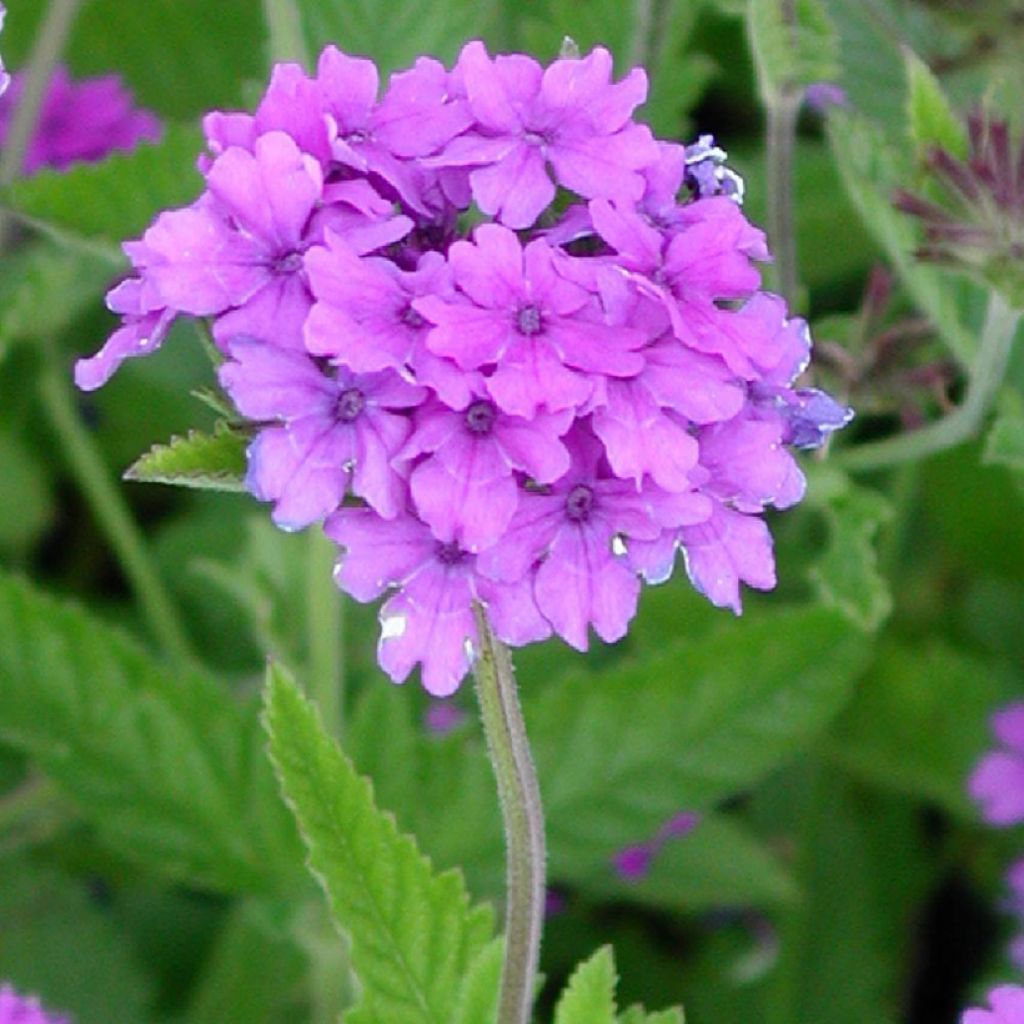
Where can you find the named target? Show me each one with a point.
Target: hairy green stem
(325, 640)
(781, 111)
(986, 376)
(284, 29)
(523, 818)
(111, 511)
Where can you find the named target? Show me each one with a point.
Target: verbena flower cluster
(526, 335)
(1006, 1006)
(79, 120)
(16, 1009)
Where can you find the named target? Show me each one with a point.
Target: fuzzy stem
(986, 377)
(325, 642)
(523, 819)
(781, 111)
(284, 30)
(111, 511)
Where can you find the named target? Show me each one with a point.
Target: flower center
(411, 318)
(350, 404)
(578, 503)
(480, 417)
(528, 320)
(289, 263)
(449, 553)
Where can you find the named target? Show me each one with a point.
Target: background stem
(284, 30)
(781, 113)
(325, 627)
(111, 511)
(523, 819)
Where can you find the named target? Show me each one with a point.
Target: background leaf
(794, 43)
(168, 767)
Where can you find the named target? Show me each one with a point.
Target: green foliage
(919, 722)
(847, 575)
(411, 28)
(1004, 445)
(117, 198)
(589, 998)
(414, 934)
(213, 462)
(167, 766)
(478, 997)
(59, 944)
(930, 117)
(794, 43)
(180, 57)
(24, 521)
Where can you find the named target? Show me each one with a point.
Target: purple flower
(535, 421)
(579, 531)
(997, 782)
(84, 120)
(443, 717)
(467, 489)
(16, 1009)
(336, 431)
(821, 96)
(1006, 1006)
(429, 619)
(537, 335)
(569, 117)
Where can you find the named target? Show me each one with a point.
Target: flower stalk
(781, 112)
(523, 818)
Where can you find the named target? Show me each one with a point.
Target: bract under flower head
(536, 413)
(83, 120)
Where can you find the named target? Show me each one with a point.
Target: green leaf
(25, 474)
(207, 461)
(871, 169)
(168, 767)
(60, 945)
(117, 198)
(794, 43)
(847, 576)
(920, 722)
(1004, 445)
(589, 998)
(216, 48)
(44, 287)
(637, 1015)
(930, 117)
(478, 997)
(414, 934)
(411, 28)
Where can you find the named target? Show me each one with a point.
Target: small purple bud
(633, 862)
(821, 96)
(442, 717)
(679, 825)
(555, 902)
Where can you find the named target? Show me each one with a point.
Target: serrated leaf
(931, 119)
(1004, 445)
(213, 462)
(589, 997)
(414, 934)
(412, 28)
(847, 575)
(117, 198)
(871, 170)
(794, 43)
(167, 767)
(478, 996)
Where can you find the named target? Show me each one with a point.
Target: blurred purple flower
(442, 717)
(16, 1009)
(633, 863)
(1006, 1006)
(83, 120)
(997, 782)
(821, 96)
